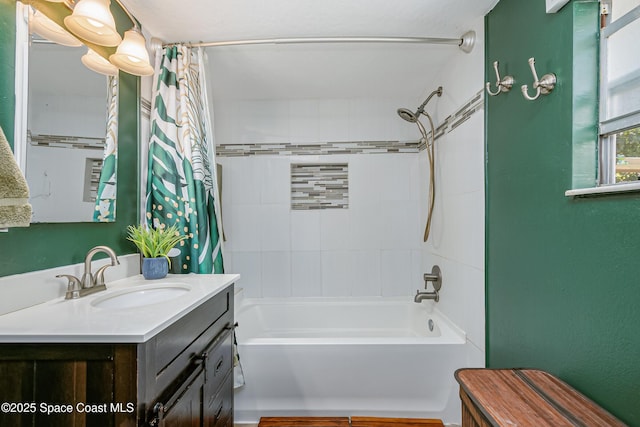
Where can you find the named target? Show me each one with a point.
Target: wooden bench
(347, 422)
(525, 398)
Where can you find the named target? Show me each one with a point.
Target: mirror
(71, 116)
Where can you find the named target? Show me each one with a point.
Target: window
(619, 93)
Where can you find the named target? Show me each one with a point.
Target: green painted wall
(43, 246)
(563, 286)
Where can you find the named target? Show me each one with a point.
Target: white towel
(15, 210)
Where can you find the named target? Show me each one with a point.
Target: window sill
(604, 190)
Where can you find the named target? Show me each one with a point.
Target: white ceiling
(319, 70)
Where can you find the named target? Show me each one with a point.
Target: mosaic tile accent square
(319, 186)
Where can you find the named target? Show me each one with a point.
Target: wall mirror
(68, 132)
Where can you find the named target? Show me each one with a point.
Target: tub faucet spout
(420, 296)
(436, 278)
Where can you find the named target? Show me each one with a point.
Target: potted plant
(154, 244)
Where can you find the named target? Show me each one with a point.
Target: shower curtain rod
(465, 42)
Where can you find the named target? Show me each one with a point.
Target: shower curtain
(105, 210)
(181, 187)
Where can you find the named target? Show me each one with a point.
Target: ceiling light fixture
(97, 63)
(132, 55)
(40, 24)
(92, 20)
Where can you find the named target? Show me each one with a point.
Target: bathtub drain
(430, 323)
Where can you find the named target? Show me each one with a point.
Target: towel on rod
(15, 210)
(238, 373)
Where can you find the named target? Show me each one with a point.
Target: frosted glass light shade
(92, 20)
(42, 25)
(97, 63)
(131, 55)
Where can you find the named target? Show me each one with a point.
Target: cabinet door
(187, 410)
(184, 408)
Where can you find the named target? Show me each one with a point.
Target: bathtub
(347, 356)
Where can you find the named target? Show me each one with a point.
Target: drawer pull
(158, 415)
(218, 412)
(218, 366)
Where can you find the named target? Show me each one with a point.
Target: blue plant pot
(154, 268)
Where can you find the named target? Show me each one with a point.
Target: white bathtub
(347, 356)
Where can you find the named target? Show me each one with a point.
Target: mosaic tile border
(464, 113)
(475, 104)
(318, 148)
(145, 107)
(92, 170)
(319, 186)
(66, 141)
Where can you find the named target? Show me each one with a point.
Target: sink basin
(141, 295)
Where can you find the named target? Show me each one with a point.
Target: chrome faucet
(436, 278)
(90, 283)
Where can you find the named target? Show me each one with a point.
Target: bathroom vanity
(141, 354)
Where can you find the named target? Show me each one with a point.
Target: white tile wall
(395, 272)
(312, 120)
(375, 247)
(306, 273)
(370, 249)
(276, 274)
(337, 273)
(305, 230)
(366, 273)
(457, 241)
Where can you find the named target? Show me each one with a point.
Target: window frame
(609, 127)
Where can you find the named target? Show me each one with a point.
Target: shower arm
(420, 109)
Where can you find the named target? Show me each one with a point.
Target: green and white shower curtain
(105, 210)
(181, 187)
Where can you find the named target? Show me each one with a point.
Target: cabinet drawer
(174, 348)
(218, 362)
(218, 408)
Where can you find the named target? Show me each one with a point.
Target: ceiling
(317, 70)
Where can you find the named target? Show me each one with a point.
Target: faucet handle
(99, 276)
(73, 286)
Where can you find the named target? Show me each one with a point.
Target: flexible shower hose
(432, 176)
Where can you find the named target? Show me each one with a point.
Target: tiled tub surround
(372, 248)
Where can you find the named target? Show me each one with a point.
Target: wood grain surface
(526, 398)
(344, 422)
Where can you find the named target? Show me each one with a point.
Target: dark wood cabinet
(180, 377)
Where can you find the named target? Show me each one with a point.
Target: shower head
(407, 115)
(412, 117)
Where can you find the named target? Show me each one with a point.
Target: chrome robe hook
(542, 86)
(503, 85)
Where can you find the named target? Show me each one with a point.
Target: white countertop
(78, 321)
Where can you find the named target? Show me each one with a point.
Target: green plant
(154, 242)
